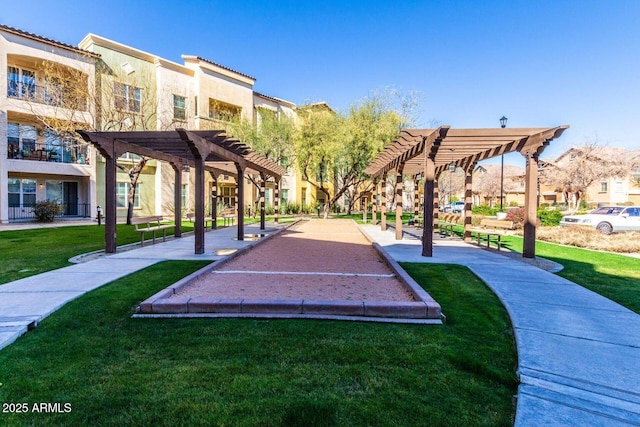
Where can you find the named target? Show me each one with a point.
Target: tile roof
(47, 40)
(224, 68)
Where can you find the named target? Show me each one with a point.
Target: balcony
(65, 153)
(47, 95)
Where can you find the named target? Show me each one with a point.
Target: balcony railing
(25, 212)
(44, 95)
(64, 153)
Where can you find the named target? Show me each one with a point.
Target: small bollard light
(99, 209)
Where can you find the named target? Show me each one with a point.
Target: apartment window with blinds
(122, 195)
(21, 192)
(604, 186)
(127, 98)
(179, 107)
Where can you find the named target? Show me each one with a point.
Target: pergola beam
(432, 150)
(209, 151)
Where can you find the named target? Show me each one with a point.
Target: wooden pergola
(210, 150)
(428, 152)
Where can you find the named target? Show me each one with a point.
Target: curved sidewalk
(578, 352)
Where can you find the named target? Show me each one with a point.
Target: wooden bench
(191, 216)
(447, 222)
(150, 224)
(228, 215)
(493, 227)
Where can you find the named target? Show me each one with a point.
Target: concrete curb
(164, 302)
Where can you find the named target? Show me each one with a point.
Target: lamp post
(452, 169)
(99, 209)
(503, 124)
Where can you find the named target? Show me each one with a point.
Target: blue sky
(540, 63)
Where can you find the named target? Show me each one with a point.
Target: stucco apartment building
(124, 89)
(36, 162)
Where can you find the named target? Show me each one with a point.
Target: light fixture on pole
(452, 169)
(503, 124)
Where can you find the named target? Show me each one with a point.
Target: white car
(607, 219)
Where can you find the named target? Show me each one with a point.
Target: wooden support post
(110, 201)
(214, 201)
(468, 199)
(416, 201)
(363, 202)
(427, 230)
(263, 189)
(436, 204)
(199, 205)
(399, 185)
(276, 201)
(374, 203)
(177, 199)
(530, 205)
(383, 204)
(240, 200)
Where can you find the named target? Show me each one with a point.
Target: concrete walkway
(579, 353)
(25, 302)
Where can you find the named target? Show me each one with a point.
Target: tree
(335, 148)
(67, 101)
(450, 185)
(490, 181)
(271, 137)
(580, 167)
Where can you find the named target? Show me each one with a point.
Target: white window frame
(24, 85)
(27, 190)
(122, 191)
(127, 97)
(179, 112)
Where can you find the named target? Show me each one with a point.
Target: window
(619, 187)
(21, 139)
(179, 107)
(126, 97)
(129, 156)
(53, 191)
(633, 211)
(228, 196)
(22, 192)
(603, 187)
(21, 83)
(284, 195)
(635, 175)
(222, 111)
(122, 195)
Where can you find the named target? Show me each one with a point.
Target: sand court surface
(313, 268)
(316, 259)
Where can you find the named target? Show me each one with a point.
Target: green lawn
(34, 251)
(115, 371)
(613, 276)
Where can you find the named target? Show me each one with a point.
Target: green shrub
(293, 208)
(47, 210)
(517, 216)
(484, 210)
(549, 217)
